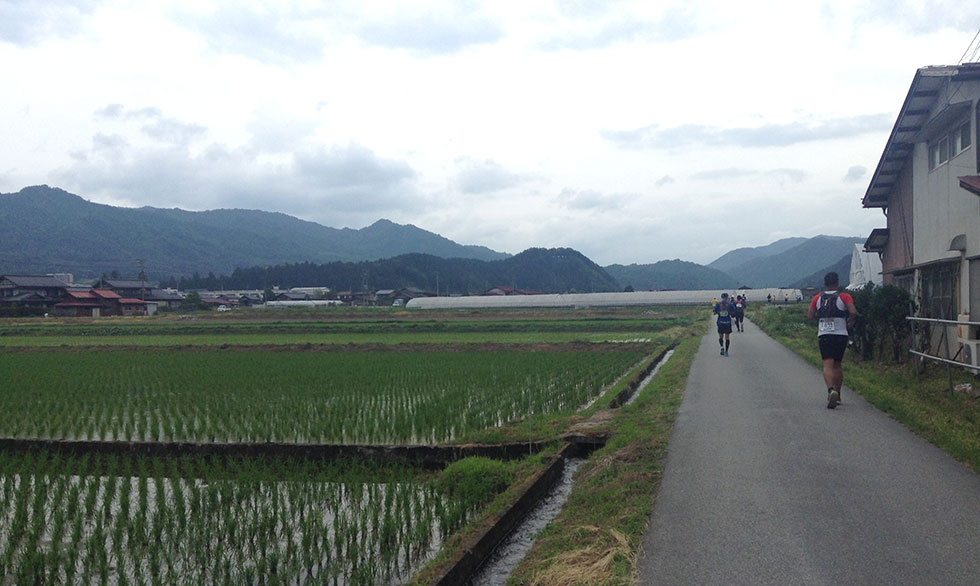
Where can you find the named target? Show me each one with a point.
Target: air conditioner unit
(970, 352)
(966, 331)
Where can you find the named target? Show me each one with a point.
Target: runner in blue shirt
(723, 311)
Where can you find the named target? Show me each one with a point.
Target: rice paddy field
(384, 378)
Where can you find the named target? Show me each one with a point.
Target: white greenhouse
(600, 299)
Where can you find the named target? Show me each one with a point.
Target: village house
(509, 291)
(928, 187)
(141, 289)
(98, 303)
(40, 291)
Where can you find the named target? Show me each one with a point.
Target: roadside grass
(596, 538)
(921, 402)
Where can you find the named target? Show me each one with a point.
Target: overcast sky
(631, 131)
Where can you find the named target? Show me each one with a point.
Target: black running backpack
(827, 306)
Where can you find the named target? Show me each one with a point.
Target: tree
(628, 289)
(268, 294)
(193, 302)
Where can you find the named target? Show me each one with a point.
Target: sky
(632, 132)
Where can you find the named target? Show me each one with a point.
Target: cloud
(156, 126)
(922, 17)
(855, 174)
(28, 22)
(276, 32)
(478, 177)
(343, 185)
(436, 32)
(782, 175)
(588, 199)
(665, 180)
(591, 25)
(769, 135)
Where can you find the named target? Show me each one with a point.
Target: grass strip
(596, 537)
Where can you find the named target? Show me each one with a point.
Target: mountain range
(48, 230)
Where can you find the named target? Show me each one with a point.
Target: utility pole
(142, 278)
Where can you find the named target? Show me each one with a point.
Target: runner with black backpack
(835, 311)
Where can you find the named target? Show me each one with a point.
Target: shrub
(474, 480)
(882, 327)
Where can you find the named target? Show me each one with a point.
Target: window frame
(950, 144)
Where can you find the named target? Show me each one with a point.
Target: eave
(913, 120)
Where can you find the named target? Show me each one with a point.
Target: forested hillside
(556, 270)
(48, 230)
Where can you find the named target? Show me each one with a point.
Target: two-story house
(927, 183)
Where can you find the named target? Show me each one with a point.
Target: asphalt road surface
(765, 485)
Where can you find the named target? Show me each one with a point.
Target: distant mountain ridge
(50, 230)
(791, 263)
(740, 256)
(539, 270)
(671, 274)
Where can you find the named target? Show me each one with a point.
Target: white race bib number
(827, 325)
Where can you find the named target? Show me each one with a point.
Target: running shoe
(833, 398)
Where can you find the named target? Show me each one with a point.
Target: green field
(103, 520)
(204, 395)
(350, 378)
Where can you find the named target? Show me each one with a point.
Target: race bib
(827, 325)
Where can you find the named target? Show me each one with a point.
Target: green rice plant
(376, 397)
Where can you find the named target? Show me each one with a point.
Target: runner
(836, 312)
(738, 312)
(723, 310)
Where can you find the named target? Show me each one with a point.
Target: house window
(961, 138)
(940, 285)
(949, 145)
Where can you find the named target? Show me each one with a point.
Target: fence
(924, 335)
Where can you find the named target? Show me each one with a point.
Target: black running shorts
(725, 328)
(833, 346)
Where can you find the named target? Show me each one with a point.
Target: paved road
(764, 485)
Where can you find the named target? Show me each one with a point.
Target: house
(927, 183)
(142, 289)
(98, 303)
(34, 290)
(510, 291)
(401, 296)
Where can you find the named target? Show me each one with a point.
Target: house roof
(82, 295)
(970, 183)
(129, 301)
(106, 294)
(34, 280)
(126, 284)
(914, 125)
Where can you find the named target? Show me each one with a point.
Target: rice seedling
(284, 522)
(368, 397)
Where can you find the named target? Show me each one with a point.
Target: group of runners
(731, 314)
(834, 311)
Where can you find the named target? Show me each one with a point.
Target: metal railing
(944, 343)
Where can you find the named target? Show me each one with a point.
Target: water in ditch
(513, 549)
(649, 377)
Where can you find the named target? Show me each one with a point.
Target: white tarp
(865, 268)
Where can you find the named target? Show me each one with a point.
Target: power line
(976, 49)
